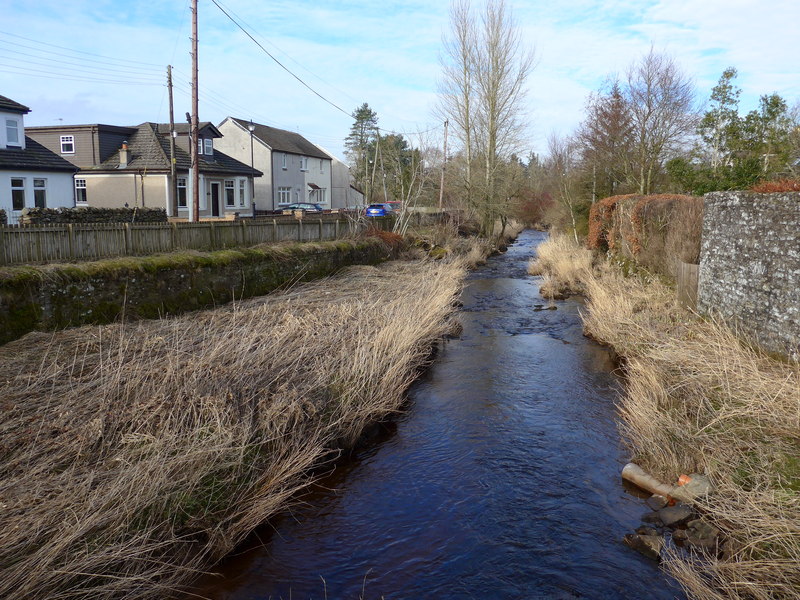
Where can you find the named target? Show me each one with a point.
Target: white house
(30, 174)
(295, 170)
(344, 193)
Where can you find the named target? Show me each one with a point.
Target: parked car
(379, 210)
(304, 206)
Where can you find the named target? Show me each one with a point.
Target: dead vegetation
(701, 399)
(133, 455)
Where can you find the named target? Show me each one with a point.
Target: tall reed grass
(700, 398)
(134, 455)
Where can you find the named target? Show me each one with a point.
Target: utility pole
(173, 182)
(195, 133)
(444, 164)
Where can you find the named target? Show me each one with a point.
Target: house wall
(342, 195)
(236, 144)
(318, 173)
(118, 190)
(85, 144)
(59, 190)
(750, 265)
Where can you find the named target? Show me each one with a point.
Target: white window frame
(200, 146)
(284, 195)
(321, 166)
(230, 193)
(242, 193)
(208, 146)
(304, 163)
(17, 185)
(67, 144)
(80, 184)
(283, 165)
(180, 184)
(321, 195)
(12, 126)
(40, 192)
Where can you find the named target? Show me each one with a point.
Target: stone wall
(59, 296)
(750, 265)
(40, 216)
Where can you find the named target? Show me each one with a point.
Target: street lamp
(251, 128)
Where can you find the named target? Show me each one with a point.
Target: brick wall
(750, 265)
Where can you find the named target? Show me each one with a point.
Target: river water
(502, 480)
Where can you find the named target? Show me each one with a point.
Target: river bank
(700, 399)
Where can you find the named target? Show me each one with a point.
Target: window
(200, 146)
(321, 166)
(230, 190)
(242, 183)
(284, 161)
(321, 196)
(284, 195)
(12, 132)
(80, 191)
(67, 144)
(209, 146)
(40, 193)
(17, 193)
(304, 163)
(182, 192)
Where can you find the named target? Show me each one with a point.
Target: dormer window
(209, 146)
(200, 146)
(67, 144)
(12, 132)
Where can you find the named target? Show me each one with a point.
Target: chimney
(124, 155)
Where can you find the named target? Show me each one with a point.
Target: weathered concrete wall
(58, 296)
(750, 265)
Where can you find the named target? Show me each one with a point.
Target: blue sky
(104, 61)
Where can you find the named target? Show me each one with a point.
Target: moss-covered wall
(58, 296)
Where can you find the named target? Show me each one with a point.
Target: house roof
(9, 105)
(282, 140)
(148, 150)
(186, 128)
(66, 129)
(34, 157)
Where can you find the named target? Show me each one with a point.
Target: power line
(50, 75)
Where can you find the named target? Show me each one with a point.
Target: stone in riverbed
(673, 516)
(656, 502)
(645, 530)
(653, 518)
(647, 545)
(702, 535)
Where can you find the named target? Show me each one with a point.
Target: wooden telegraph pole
(195, 128)
(173, 183)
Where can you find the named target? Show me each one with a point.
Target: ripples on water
(501, 481)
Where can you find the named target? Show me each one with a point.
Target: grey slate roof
(9, 105)
(34, 157)
(149, 150)
(284, 141)
(185, 128)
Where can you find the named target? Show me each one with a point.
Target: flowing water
(501, 480)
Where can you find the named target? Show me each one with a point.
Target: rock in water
(647, 545)
(673, 516)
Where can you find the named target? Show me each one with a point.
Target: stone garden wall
(750, 265)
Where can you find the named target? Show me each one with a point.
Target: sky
(104, 61)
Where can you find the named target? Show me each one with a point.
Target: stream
(501, 480)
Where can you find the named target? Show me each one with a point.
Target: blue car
(379, 210)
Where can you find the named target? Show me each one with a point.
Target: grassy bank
(135, 454)
(700, 399)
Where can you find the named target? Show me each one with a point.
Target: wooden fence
(687, 278)
(73, 242)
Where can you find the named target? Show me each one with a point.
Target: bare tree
(661, 103)
(485, 67)
(561, 167)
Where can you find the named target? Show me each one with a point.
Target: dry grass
(700, 399)
(134, 455)
(563, 266)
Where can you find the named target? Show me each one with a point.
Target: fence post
(336, 230)
(173, 235)
(71, 238)
(274, 230)
(2, 244)
(320, 230)
(127, 238)
(299, 230)
(245, 236)
(212, 233)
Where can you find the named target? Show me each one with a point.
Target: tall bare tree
(661, 103)
(485, 67)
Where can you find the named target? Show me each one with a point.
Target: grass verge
(134, 455)
(700, 399)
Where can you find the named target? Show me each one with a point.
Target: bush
(40, 216)
(779, 185)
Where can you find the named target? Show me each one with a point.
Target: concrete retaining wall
(750, 265)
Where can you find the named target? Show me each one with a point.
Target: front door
(215, 189)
